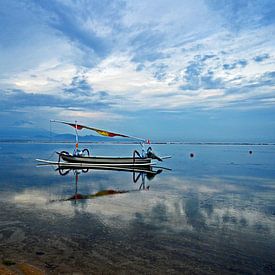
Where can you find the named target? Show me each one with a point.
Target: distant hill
(86, 138)
(23, 133)
(33, 134)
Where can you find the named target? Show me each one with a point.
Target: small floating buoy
(191, 155)
(250, 152)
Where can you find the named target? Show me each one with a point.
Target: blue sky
(180, 70)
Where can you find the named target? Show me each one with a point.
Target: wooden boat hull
(100, 160)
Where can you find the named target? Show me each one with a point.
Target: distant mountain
(23, 133)
(87, 138)
(33, 134)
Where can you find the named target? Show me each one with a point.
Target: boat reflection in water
(140, 176)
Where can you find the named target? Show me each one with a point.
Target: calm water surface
(213, 213)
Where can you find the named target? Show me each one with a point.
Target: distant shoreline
(134, 143)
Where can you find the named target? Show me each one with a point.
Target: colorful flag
(99, 131)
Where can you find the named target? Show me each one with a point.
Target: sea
(210, 208)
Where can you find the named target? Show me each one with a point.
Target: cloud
(146, 46)
(23, 123)
(79, 86)
(160, 71)
(18, 99)
(47, 78)
(260, 58)
(128, 56)
(198, 77)
(238, 64)
(26, 40)
(87, 115)
(160, 60)
(244, 14)
(266, 79)
(87, 24)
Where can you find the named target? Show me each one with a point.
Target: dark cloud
(83, 93)
(140, 67)
(79, 86)
(238, 64)
(17, 99)
(229, 66)
(160, 71)
(260, 58)
(205, 57)
(264, 81)
(209, 82)
(192, 75)
(196, 78)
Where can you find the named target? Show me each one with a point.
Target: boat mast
(76, 136)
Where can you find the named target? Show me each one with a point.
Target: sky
(166, 70)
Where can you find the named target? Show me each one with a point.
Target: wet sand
(59, 245)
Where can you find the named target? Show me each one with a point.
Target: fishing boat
(82, 157)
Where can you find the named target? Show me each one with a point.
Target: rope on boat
(51, 136)
(51, 141)
(50, 156)
(134, 155)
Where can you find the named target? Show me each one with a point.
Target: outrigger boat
(83, 159)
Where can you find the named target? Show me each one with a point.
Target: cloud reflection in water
(183, 205)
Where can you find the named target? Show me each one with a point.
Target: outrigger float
(82, 158)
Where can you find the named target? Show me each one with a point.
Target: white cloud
(86, 115)
(50, 77)
(146, 65)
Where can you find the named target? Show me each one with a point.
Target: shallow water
(212, 213)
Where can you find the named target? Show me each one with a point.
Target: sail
(99, 131)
